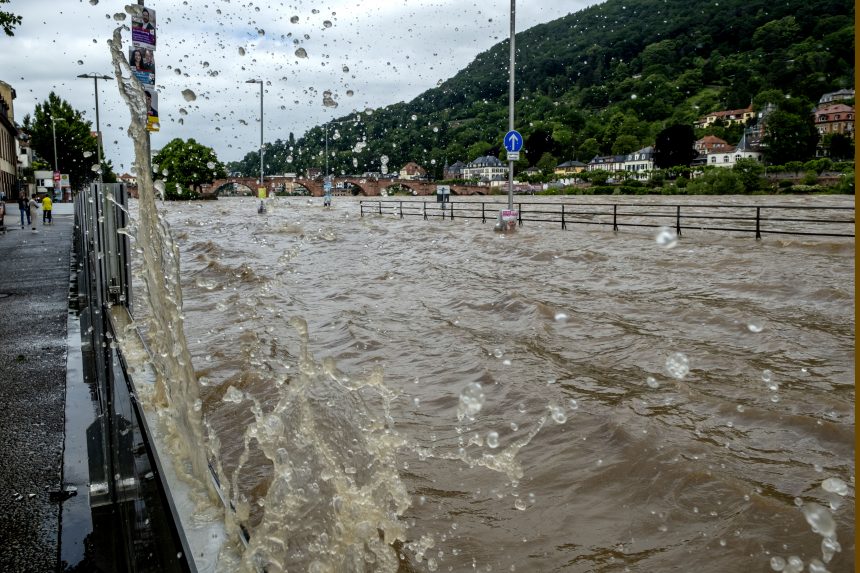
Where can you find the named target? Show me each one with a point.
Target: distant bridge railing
(820, 221)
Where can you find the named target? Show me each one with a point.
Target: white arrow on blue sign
(513, 140)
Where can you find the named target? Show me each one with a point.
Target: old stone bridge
(366, 186)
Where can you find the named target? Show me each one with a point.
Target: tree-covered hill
(603, 80)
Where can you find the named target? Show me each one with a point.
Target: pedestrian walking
(24, 208)
(34, 211)
(47, 207)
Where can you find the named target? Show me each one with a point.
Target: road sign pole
(511, 106)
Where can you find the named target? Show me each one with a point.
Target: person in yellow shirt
(47, 207)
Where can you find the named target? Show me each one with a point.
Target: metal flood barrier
(134, 518)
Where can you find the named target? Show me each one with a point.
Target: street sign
(513, 155)
(513, 141)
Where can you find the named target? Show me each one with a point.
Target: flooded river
(390, 394)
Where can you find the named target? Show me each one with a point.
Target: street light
(511, 106)
(261, 125)
(96, 78)
(56, 163)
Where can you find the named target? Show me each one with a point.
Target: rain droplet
(835, 485)
(471, 401)
(294, 20)
(777, 563)
(753, 327)
(558, 414)
(652, 382)
(177, 71)
(492, 439)
(95, 168)
(820, 519)
(301, 53)
(241, 51)
(189, 95)
(210, 165)
(345, 69)
(327, 23)
(94, 2)
(119, 17)
(414, 117)
(88, 153)
(666, 238)
(560, 317)
(678, 365)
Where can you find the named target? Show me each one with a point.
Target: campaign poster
(142, 61)
(143, 28)
(152, 123)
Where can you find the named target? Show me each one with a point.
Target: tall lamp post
(261, 126)
(511, 106)
(56, 163)
(96, 78)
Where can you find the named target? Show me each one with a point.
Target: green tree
(8, 20)
(588, 150)
(674, 146)
(716, 181)
(187, 165)
(750, 173)
(76, 147)
(789, 137)
(840, 145)
(625, 144)
(547, 163)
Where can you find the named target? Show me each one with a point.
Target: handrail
(752, 219)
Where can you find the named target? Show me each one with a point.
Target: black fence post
(678, 220)
(520, 214)
(401, 209)
(615, 217)
(483, 216)
(563, 224)
(425, 209)
(758, 223)
(380, 206)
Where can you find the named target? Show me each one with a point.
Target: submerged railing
(757, 220)
(134, 518)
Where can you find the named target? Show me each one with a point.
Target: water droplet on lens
(471, 401)
(777, 563)
(498, 353)
(560, 317)
(241, 51)
(326, 23)
(94, 2)
(88, 153)
(666, 238)
(652, 382)
(755, 327)
(493, 439)
(678, 365)
(294, 20)
(189, 95)
(301, 53)
(835, 485)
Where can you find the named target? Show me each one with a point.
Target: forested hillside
(604, 80)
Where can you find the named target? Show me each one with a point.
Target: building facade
(728, 158)
(412, 171)
(727, 117)
(486, 169)
(835, 118)
(8, 143)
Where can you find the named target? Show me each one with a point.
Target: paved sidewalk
(34, 290)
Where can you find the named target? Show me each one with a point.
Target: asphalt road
(34, 289)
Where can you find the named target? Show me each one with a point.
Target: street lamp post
(261, 126)
(56, 162)
(96, 78)
(511, 106)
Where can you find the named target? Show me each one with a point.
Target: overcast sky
(367, 53)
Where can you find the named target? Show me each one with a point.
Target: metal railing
(758, 220)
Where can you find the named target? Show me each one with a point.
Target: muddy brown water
(687, 401)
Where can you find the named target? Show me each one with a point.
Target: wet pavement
(34, 290)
